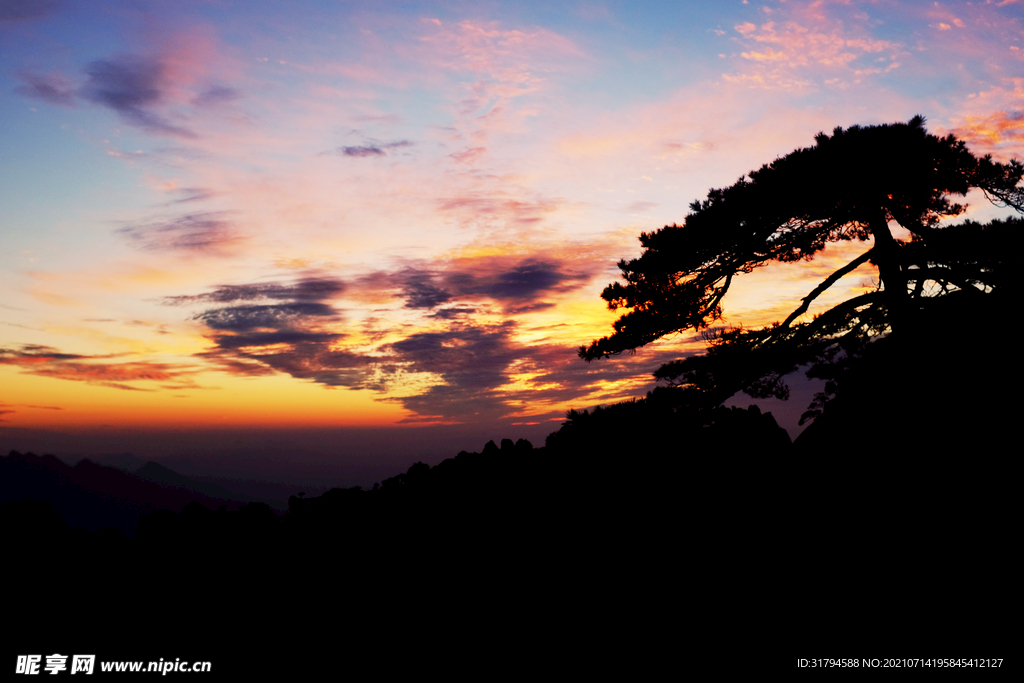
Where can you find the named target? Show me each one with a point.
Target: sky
(381, 230)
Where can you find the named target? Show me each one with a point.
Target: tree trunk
(890, 271)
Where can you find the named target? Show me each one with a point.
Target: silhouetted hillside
(900, 490)
(126, 462)
(93, 496)
(167, 478)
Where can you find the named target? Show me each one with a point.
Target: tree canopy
(852, 185)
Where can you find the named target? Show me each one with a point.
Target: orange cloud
(45, 361)
(993, 121)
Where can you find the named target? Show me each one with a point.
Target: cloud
(522, 282)
(989, 134)
(9, 408)
(420, 290)
(817, 46)
(296, 337)
(768, 55)
(192, 194)
(467, 370)
(498, 54)
(461, 372)
(514, 282)
(202, 232)
(519, 309)
(501, 205)
(470, 155)
(302, 354)
(452, 313)
(275, 338)
(45, 361)
(215, 95)
(361, 151)
(993, 121)
(473, 363)
(496, 68)
(481, 372)
(132, 86)
(372, 150)
(244, 318)
(306, 289)
(52, 88)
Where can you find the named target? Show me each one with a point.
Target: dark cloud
(523, 281)
(125, 85)
(302, 354)
(361, 151)
(131, 85)
(320, 364)
(215, 95)
(21, 10)
(307, 289)
(460, 374)
(476, 365)
(52, 88)
(285, 336)
(420, 290)
(452, 313)
(471, 357)
(295, 337)
(641, 206)
(209, 232)
(376, 150)
(316, 289)
(35, 353)
(515, 286)
(518, 285)
(472, 361)
(243, 318)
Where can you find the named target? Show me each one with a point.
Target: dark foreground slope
(513, 551)
(638, 531)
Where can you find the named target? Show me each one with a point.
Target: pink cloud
(501, 205)
(503, 64)
(992, 122)
(803, 44)
(470, 155)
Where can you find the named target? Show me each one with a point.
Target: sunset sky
(336, 215)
